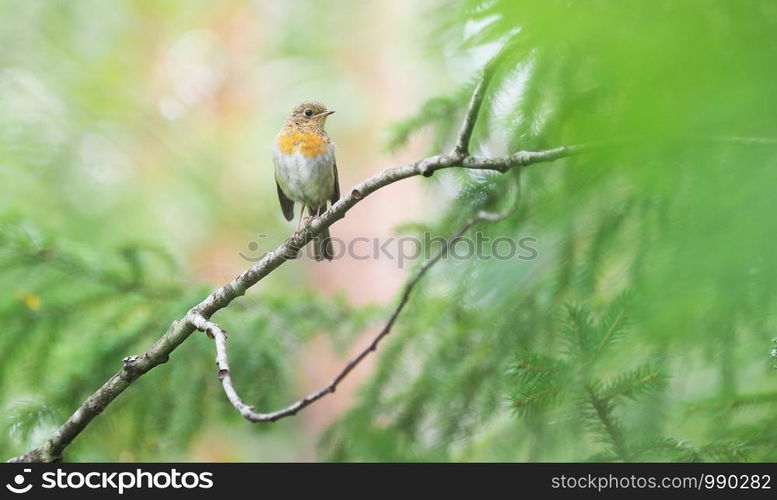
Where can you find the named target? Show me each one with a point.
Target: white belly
(308, 180)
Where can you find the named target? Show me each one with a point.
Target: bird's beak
(326, 113)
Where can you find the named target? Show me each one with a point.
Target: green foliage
(642, 330)
(74, 312)
(574, 382)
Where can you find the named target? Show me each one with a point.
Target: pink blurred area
(220, 85)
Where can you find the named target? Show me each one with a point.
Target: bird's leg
(312, 214)
(295, 236)
(311, 217)
(301, 213)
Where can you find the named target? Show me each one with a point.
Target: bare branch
(220, 337)
(470, 118)
(181, 329)
(473, 109)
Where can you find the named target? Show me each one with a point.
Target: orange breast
(305, 142)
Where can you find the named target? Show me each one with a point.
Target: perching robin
(305, 168)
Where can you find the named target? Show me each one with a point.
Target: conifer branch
(220, 337)
(136, 366)
(611, 429)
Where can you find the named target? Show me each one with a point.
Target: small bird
(305, 168)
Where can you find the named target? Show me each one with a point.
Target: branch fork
(219, 336)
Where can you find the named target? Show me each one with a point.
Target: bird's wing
(286, 204)
(336, 190)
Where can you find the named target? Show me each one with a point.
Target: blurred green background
(135, 165)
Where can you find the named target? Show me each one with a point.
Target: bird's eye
(308, 113)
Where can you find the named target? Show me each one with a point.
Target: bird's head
(309, 114)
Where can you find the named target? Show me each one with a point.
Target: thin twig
(222, 360)
(470, 118)
(473, 109)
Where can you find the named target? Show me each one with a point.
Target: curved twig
(220, 337)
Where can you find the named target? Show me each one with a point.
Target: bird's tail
(322, 244)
